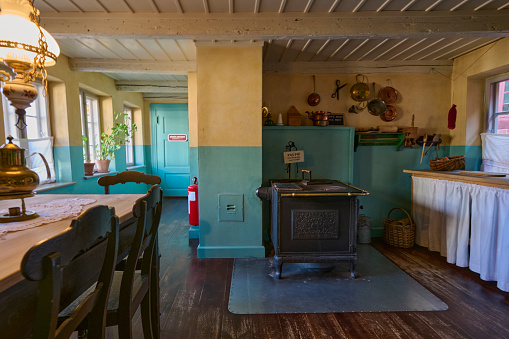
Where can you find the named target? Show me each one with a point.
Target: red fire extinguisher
(192, 203)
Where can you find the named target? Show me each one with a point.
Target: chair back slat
(69, 263)
(147, 211)
(69, 242)
(128, 176)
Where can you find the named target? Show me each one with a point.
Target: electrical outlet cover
(230, 207)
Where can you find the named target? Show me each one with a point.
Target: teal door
(170, 147)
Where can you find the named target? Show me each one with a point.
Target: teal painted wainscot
(234, 172)
(194, 231)
(69, 170)
(328, 153)
(379, 170)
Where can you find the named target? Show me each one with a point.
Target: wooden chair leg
(125, 329)
(146, 317)
(154, 294)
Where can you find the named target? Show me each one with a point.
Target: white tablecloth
(446, 213)
(58, 209)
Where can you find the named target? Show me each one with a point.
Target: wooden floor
(194, 298)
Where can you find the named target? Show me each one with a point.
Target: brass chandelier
(27, 49)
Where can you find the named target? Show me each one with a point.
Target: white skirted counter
(449, 208)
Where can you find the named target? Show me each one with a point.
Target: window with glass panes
(36, 136)
(90, 127)
(498, 113)
(129, 146)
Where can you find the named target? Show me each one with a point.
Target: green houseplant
(118, 135)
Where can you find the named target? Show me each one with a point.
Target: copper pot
(320, 118)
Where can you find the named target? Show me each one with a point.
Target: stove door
(317, 225)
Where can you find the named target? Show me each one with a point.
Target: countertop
(500, 180)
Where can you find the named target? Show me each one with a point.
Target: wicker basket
(399, 232)
(454, 163)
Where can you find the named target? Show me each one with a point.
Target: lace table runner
(48, 212)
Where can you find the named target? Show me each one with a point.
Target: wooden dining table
(18, 295)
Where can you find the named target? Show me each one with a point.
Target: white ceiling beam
(356, 67)
(134, 66)
(165, 97)
(248, 26)
(149, 86)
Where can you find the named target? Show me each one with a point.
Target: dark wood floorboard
(194, 298)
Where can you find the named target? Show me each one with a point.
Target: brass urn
(15, 177)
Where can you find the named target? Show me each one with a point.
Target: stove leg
(278, 264)
(353, 264)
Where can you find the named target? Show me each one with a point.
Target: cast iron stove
(313, 221)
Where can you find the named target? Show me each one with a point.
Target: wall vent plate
(230, 207)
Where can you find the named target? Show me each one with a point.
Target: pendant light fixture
(26, 49)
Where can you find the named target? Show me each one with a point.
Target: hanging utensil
(376, 106)
(388, 94)
(389, 114)
(313, 98)
(352, 109)
(423, 145)
(338, 87)
(360, 90)
(436, 137)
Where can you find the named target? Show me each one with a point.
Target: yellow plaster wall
(229, 94)
(67, 119)
(192, 109)
(469, 76)
(2, 126)
(427, 96)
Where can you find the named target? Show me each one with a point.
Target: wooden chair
(68, 264)
(131, 287)
(128, 176)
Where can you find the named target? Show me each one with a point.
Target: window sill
(52, 185)
(98, 175)
(135, 167)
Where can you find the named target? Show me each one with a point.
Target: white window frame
(90, 129)
(129, 146)
(41, 142)
(491, 100)
(39, 109)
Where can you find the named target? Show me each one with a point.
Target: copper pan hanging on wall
(313, 98)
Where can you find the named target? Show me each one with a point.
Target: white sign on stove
(293, 157)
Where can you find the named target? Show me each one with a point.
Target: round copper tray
(388, 95)
(389, 114)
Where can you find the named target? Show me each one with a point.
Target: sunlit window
(498, 113)
(129, 146)
(38, 139)
(90, 128)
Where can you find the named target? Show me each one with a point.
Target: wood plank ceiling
(150, 45)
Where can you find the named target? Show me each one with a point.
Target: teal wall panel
(63, 162)
(379, 170)
(328, 152)
(230, 170)
(69, 166)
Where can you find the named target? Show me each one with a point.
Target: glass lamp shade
(19, 40)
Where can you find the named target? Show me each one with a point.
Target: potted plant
(89, 166)
(119, 134)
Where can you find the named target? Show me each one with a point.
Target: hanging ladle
(313, 98)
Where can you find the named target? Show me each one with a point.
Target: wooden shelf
(379, 139)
